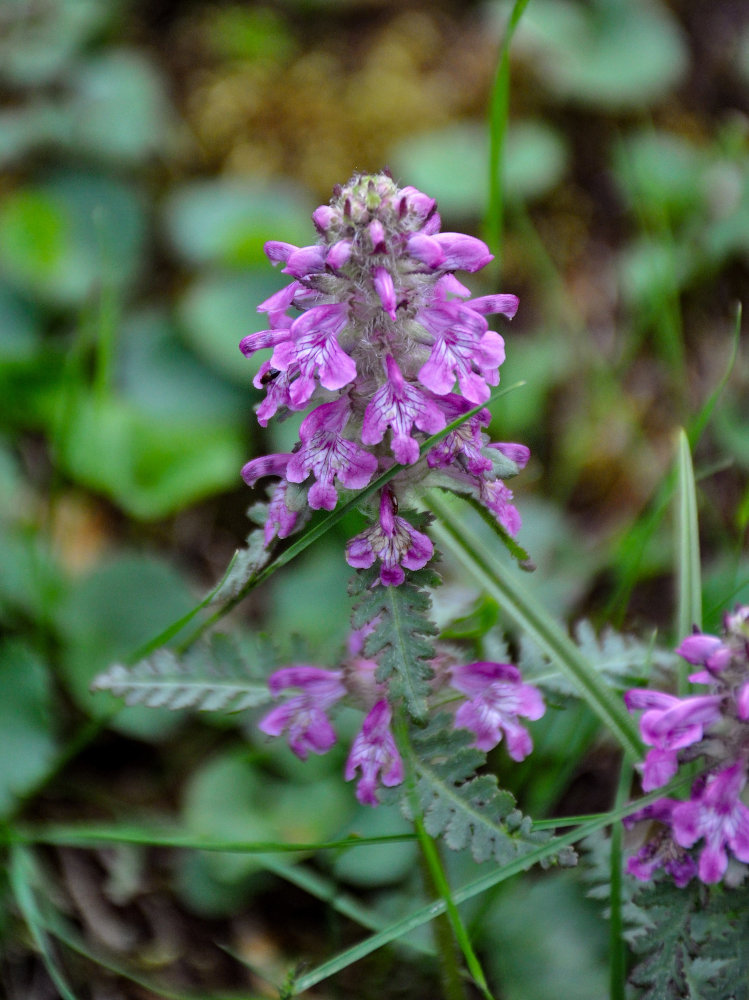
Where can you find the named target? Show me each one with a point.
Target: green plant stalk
(452, 930)
(426, 913)
(499, 108)
(617, 953)
(534, 620)
(634, 544)
(20, 873)
(317, 530)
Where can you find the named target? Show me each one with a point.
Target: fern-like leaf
(399, 640)
(210, 678)
(623, 660)
(245, 564)
(695, 948)
(467, 810)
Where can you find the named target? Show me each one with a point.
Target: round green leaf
(107, 616)
(218, 310)
(150, 467)
(119, 107)
(451, 164)
(65, 238)
(228, 221)
(26, 722)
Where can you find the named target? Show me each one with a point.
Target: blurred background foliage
(148, 150)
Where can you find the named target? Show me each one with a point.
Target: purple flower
(399, 405)
(328, 455)
(386, 339)
(280, 521)
(395, 542)
(313, 344)
(717, 814)
(668, 725)
(707, 651)
(660, 850)
(303, 715)
(497, 696)
(375, 754)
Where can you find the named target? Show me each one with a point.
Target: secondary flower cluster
(384, 331)
(713, 726)
(493, 697)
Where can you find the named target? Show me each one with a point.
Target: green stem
(498, 116)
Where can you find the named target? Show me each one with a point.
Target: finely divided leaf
(399, 640)
(210, 678)
(245, 564)
(695, 948)
(468, 811)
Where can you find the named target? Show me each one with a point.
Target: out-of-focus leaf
(238, 32)
(150, 467)
(108, 615)
(229, 221)
(38, 41)
(545, 939)
(19, 336)
(166, 381)
(230, 799)
(25, 722)
(119, 107)
(650, 271)
(452, 163)
(660, 173)
(608, 54)
(63, 239)
(313, 600)
(378, 864)
(218, 310)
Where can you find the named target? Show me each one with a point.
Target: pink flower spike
(384, 287)
(497, 696)
(375, 754)
(716, 813)
(303, 715)
(393, 541)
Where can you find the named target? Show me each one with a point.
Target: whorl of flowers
(387, 348)
(713, 727)
(491, 698)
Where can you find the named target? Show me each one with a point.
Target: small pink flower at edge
(497, 696)
(375, 754)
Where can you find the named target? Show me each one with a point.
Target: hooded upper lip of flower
(497, 696)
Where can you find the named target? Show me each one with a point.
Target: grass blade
(499, 109)
(21, 877)
(689, 590)
(535, 621)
